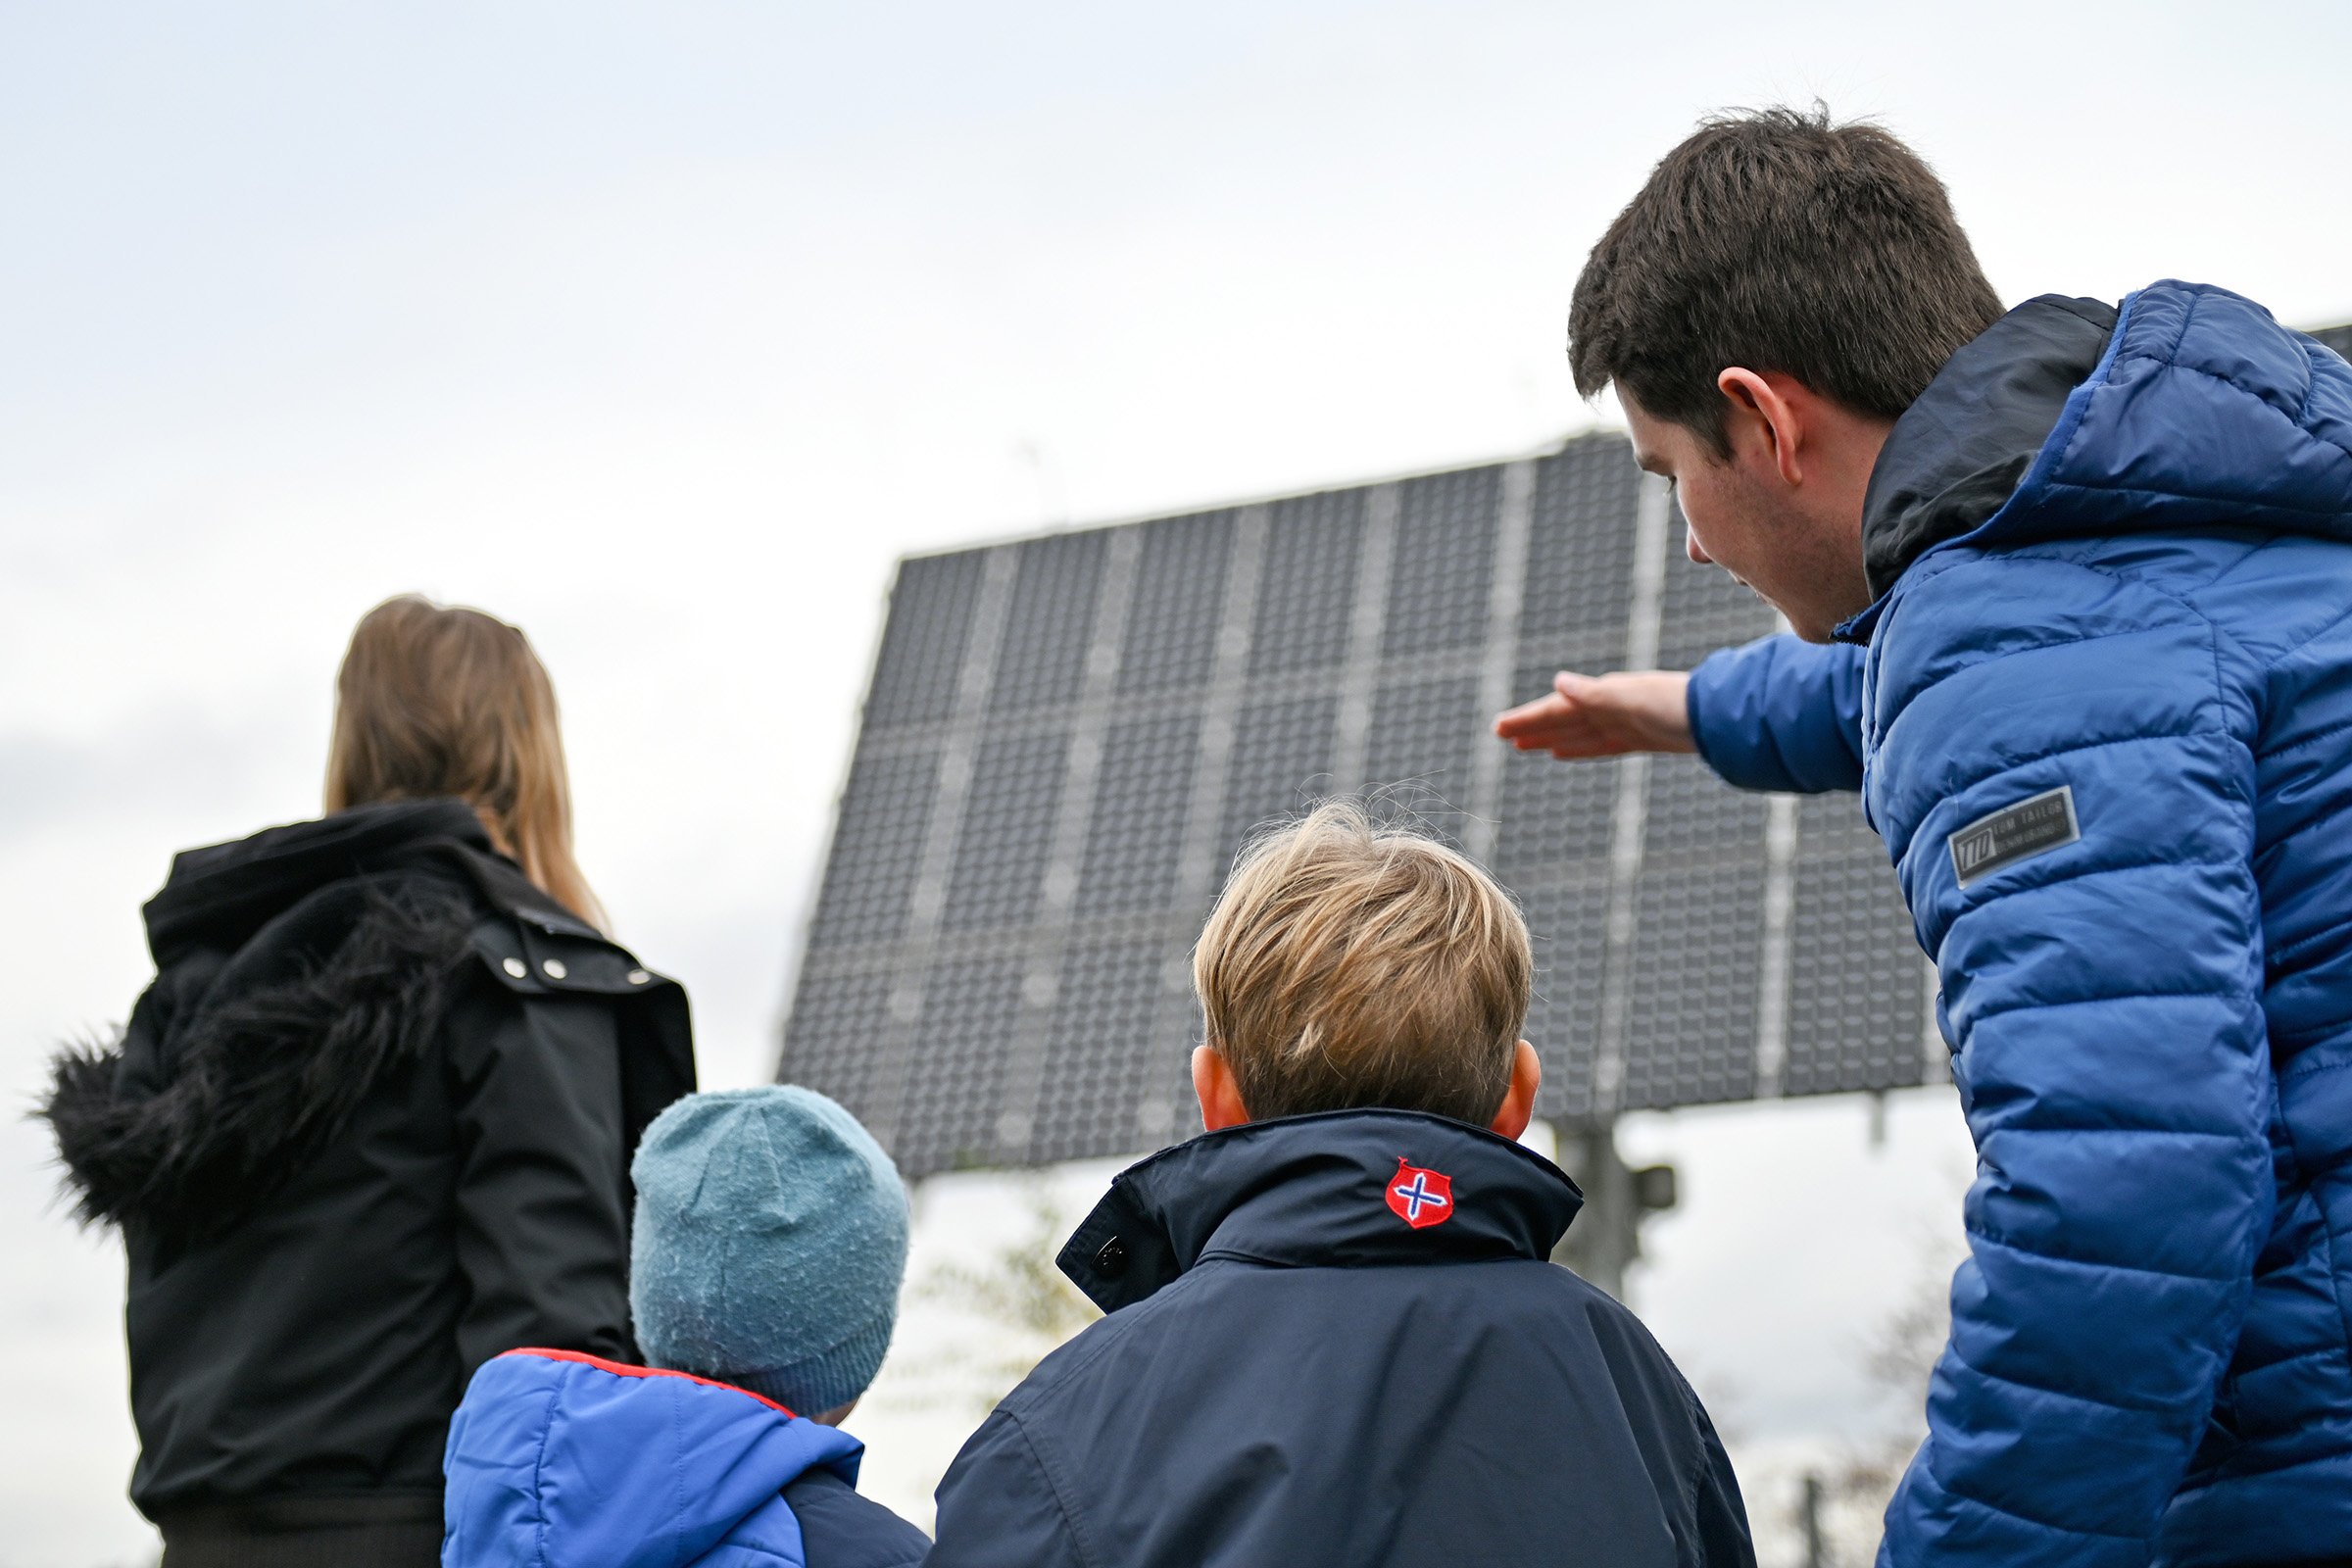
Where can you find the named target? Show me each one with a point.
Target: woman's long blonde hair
(439, 699)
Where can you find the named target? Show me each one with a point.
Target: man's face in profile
(1723, 511)
(1793, 541)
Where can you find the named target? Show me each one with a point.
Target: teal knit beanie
(769, 1245)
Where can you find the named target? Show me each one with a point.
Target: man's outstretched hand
(1604, 715)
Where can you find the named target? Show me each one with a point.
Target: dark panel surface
(1142, 798)
(1114, 1036)
(1441, 567)
(1567, 926)
(1008, 826)
(993, 970)
(1690, 1026)
(1857, 980)
(952, 1095)
(1172, 640)
(877, 850)
(1279, 767)
(1580, 554)
(1553, 817)
(923, 645)
(1052, 617)
(1306, 587)
(1418, 754)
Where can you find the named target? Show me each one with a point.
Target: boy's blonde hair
(1348, 964)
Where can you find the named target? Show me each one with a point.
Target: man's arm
(1777, 714)
(1780, 714)
(2080, 865)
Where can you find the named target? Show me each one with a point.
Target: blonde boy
(1333, 1333)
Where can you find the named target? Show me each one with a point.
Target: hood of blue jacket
(1313, 1192)
(2187, 408)
(565, 1461)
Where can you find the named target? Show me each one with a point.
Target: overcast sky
(662, 330)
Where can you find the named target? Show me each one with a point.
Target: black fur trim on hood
(198, 1111)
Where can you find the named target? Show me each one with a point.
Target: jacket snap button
(555, 968)
(513, 967)
(638, 978)
(1112, 1258)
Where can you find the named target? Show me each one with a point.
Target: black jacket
(369, 1126)
(1336, 1339)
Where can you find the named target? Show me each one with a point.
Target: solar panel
(1068, 739)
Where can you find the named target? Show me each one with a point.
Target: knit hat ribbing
(769, 1246)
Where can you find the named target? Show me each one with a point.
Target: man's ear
(1519, 1100)
(1776, 420)
(1218, 1091)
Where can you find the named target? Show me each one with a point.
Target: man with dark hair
(2092, 566)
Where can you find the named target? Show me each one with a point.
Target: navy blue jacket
(2104, 723)
(562, 1460)
(1336, 1339)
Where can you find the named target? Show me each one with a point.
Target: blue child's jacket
(2113, 553)
(562, 1460)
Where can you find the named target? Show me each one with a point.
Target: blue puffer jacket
(2105, 724)
(562, 1460)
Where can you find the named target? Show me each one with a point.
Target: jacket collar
(1307, 1191)
(1958, 453)
(221, 894)
(2187, 407)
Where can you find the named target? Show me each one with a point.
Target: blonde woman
(371, 1123)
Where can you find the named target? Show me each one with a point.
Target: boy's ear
(1519, 1100)
(1219, 1093)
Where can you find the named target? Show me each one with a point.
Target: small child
(769, 1245)
(1335, 1336)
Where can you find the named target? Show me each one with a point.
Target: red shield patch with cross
(1420, 1197)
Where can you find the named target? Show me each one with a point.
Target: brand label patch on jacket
(2036, 823)
(1420, 1197)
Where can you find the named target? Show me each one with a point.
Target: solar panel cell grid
(1008, 824)
(838, 1025)
(1108, 1044)
(1051, 618)
(1171, 635)
(1692, 817)
(877, 850)
(1690, 1036)
(1307, 589)
(1134, 835)
(1580, 553)
(1279, 767)
(1442, 571)
(949, 1110)
(994, 969)
(1552, 818)
(1568, 929)
(1417, 757)
(1858, 982)
(923, 643)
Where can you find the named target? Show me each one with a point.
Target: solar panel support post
(1605, 1240)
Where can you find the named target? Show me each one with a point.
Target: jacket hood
(557, 1457)
(1332, 1190)
(2188, 407)
(221, 896)
(295, 969)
